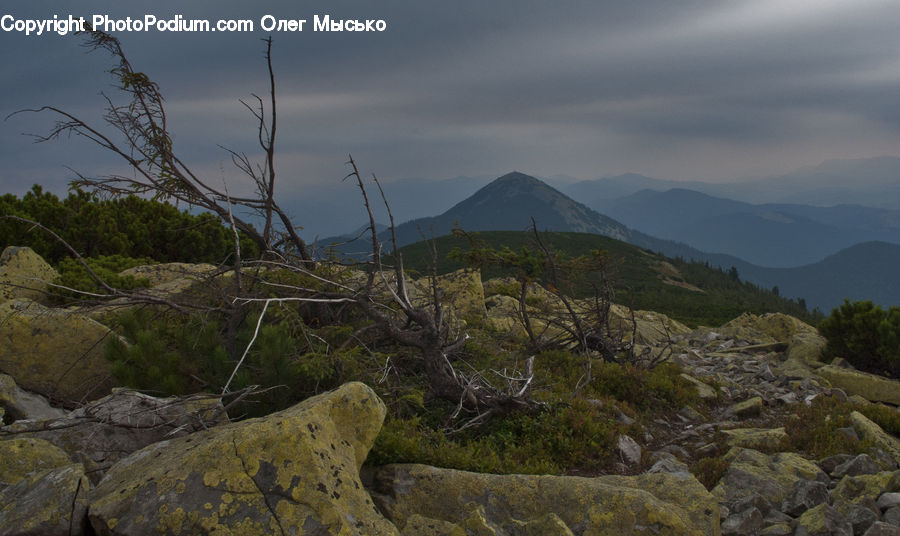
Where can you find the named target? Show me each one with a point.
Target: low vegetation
(690, 292)
(865, 335)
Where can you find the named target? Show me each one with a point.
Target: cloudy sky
(711, 90)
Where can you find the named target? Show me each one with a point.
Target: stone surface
(671, 504)
(48, 503)
(21, 456)
(704, 391)
(41, 490)
(823, 520)
(869, 431)
(869, 386)
(18, 404)
(292, 470)
(56, 353)
(751, 407)
(746, 523)
(629, 450)
(106, 430)
(888, 500)
(773, 477)
(755, 438)
(859, 465)
(883, 529)
(24, 274)
(804, 495)
(462, 292)
(861, 518)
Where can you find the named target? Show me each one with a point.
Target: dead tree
(147, 147)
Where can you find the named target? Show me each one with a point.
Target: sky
(690, 90)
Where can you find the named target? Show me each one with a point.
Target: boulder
(106, 430)
(804, 495)
(18, 404)
(751, 407)
(159, 274)
(24, 274)
(41, 490)
(769, 327)
(291, 472)
(502, 504)
(755, 438)
(863, 490)
(771, 476)
(869, 431)
(461, 293)
(56, 353)
(823, 520)
(880, 528)
(870, 386)
(22, 456)
(806, 347)
(704, 390)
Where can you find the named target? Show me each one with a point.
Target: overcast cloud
(705, 90)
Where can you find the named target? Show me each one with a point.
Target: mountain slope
(508, 204)
(778, 235)
(690, 292)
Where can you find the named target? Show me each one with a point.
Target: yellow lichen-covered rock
(51, 501)
(769, 327)
(870, 386)
(292, 472)
(806, 348)
(461, 293)
(862, 489)
(58, 354)
(506, 504)
(869, 431)
(41, 490)
(21, 456)
(158, 274)
(24, 274)
(652, 327)
(418, 525)
(770, 476)
(755, 438)
(704, 390)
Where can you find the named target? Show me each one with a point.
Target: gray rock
(831, 463)
(804, 495)
(860, 465)
(823, 520)
(743, 523)
(882, 529)
(669, 465)
(892, 516)
(861, 518)
(888, 500)
(753, 500)
(629, 450)
(748, 408)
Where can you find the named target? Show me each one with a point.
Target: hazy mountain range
(863, 271)
(776, 235)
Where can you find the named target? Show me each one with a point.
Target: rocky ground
(130, 464)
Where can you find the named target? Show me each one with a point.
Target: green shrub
(562, 438)
(72, 274)
(178, 354)
(815, 431)
(709, 471)
(866, 335)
